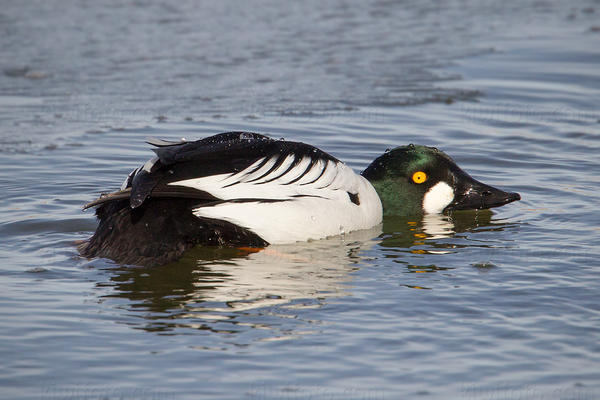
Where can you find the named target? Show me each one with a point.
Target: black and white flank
(236, 188)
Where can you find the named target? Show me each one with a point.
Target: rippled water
(477, 305)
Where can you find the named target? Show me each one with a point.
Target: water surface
(480, 305)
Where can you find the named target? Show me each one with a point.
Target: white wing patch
(295, 201)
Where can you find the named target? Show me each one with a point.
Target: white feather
(149, 164)
(315, 208)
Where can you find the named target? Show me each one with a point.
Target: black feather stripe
(181, 191)
(337, 171)
(259, 166)
(280, 159)
(310, 166)
(239, 201)
(318, 177)
(294, 164)
(231, 184)
(309, 195)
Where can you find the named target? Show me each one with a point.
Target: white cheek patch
(437, 198)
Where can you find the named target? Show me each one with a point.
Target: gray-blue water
(488, 305)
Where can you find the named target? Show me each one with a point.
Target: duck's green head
(412, 180)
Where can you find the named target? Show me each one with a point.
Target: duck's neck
(396, 198)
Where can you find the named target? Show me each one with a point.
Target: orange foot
(250, 250)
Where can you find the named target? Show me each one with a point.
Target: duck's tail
(109, 197)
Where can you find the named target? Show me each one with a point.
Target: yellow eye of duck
(419, 177)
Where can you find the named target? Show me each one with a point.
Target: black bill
(470, 194)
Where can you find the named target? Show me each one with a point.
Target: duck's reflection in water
(431, 230)
(427, 244)
(226, 289)
(437, 226)
(224, 284)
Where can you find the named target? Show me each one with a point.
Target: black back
(225, 153)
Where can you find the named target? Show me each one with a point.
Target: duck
(247, 190)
